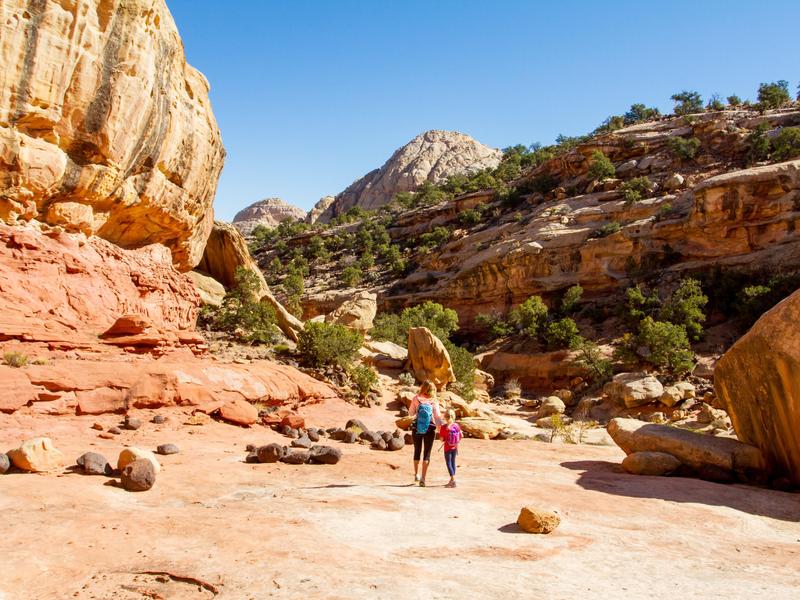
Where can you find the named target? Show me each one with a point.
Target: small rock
(36, 455)
(325, 455)
(657, 417)
(251, 448)
(534, 520)
(337, 433)
(356, 424)
(167, 449)
(370, 436)
(138, 476)
(296, 457)
(542, 437)
(551, 406)
(132, 423)
(159, 419)
(503, 435)
(98, 426)
(650, 463)
(302, 442)
(106, 436)
(271, 453)
(92, 463)
(349, 437)
(673, 182)
(251, 457)
(313, 435)
(294, 433)
(386, 435)
(131, 453)
(5, 463)
(114, 430)
(379, 445)
(708, 414)
(395, 443)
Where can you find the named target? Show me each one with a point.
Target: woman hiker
(427, 418)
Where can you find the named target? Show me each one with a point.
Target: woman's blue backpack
(424, 418)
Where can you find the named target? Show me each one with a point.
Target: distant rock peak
(268, 212)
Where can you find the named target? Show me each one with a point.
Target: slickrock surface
(213, 524)
(268, 212)
(104, 127)
(758, 382)
(431, 156)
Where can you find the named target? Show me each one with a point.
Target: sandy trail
(220, 526)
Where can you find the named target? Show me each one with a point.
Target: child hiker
(451, 435)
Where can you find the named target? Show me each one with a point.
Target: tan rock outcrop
(758, 383)
(319, 208)
(633, 389)
(210, 290)
(226, 251)
(104, 127)
(356, 313)
(430, 360)
(431, 156)
(269, 212)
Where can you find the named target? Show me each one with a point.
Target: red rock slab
(101, 400)
(238, 411)
(128, 325)
(15, 389)
(294, 421)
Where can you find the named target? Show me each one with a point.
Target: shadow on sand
(512, 528)
(609, 478)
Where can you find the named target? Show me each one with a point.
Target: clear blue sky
(310, 95)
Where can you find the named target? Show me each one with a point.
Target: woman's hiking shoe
(416, 478)
(422, 483)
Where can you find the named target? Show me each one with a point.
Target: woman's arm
(437, 415)
(412, 409)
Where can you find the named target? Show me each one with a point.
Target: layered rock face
(319, 208)
(104, 127)
(431, 156)
(268, 212)
(758, 383)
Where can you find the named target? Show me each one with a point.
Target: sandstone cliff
(431, 156)
(104, 127)
(268, 212)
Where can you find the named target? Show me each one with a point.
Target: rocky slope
(431, 156)
(268, 212)
(104, 127)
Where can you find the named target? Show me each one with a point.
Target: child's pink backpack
(454, 435)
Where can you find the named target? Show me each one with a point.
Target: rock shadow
(511, 528)
(610, 478)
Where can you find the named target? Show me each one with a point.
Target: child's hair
(427, 389)
(451, 416)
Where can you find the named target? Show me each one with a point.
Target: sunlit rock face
(104, 127)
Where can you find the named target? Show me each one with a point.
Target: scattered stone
(671, 396)
(356, 425)
(650, 463)
(534, 520)
(251, 457)
(337, 433)
(166, 449)
(251, 448)
(503, 435)
(542, 437)
(106, 436)
(634, 389)
(686, 389)
(371, 437)
(708, 414)
(5, 463)
(547, 422)
(551, 406)
(159, 419)
(379, 445)
(325, 455)
(131, 423)
(92, 463)
(313, 435)
(138, 475)
(114, 430)
(386, 435)
(395, 443)
(36, 455)
(98, 427)
(294, 421)
(296, 457)
(302, 442)
(657, 417)
(294, 433)
(271, 453)
(131, 453)
(673, 182)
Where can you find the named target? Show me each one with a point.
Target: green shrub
(469, 217)
(562, 334)
(590, 358)
(494, 325)
(294, 287)
(685, 307)
(635, 189)
(758, 144)
(322, 344)
(317, 250)
(351, 276)
(464, 369)
(687, 103)
(753, 299)
(639, 113)
(639, 304)
(667, 345)
(611, 123)
(600, 167)
(606, 230)
(543, 184)
(571, 298)
(773, 95)
(441, 321)
(432, 239)
(366, 261)
(364, 378)
(787, 144)
(684, 148)
(715, 103)
(734, 100)
(15, 359)
(242, 311)
(664, 211)
(530, 316)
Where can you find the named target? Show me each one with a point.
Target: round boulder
(325, 455)
(165, 449)
(395, 443)
(92, 463)
(296, 457)
(131, 423)
(130, 454)
(5, 463)
(650, 463)
(551, 406)
(271, 453)
(349, 437)
(302, 442)
(534, 520)
(138, 475)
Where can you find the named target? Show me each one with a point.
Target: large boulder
(131, 453)
(758, 383)
(696, 451)
(138, 475)
(36, 455)
(650, 463)
(356, 313)
(238, 411)
(104, 127)
(481, 427)
(210, 290)
(535, 520)
(429, 358)
(634, 389)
